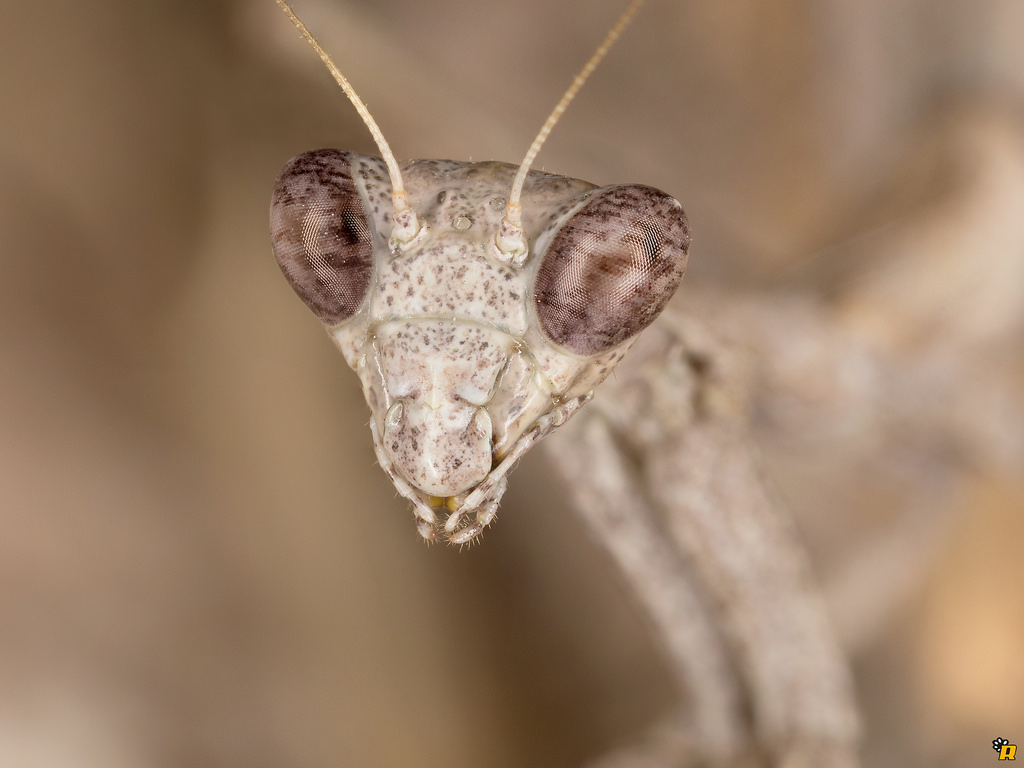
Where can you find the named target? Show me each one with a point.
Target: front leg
(664, 473)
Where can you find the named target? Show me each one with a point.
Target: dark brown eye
(611, 268)
(321, 237)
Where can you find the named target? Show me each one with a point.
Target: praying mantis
(480, 308)
(481, 305)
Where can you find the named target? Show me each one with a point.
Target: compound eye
(321, 236)
(611, 269)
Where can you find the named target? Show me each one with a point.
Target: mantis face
(479, 303)
(466, 357)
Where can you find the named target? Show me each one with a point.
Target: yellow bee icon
(1006, 750)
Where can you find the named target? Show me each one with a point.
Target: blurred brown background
(201, 564)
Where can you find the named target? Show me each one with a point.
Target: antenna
(408, 228)
(510, 241)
